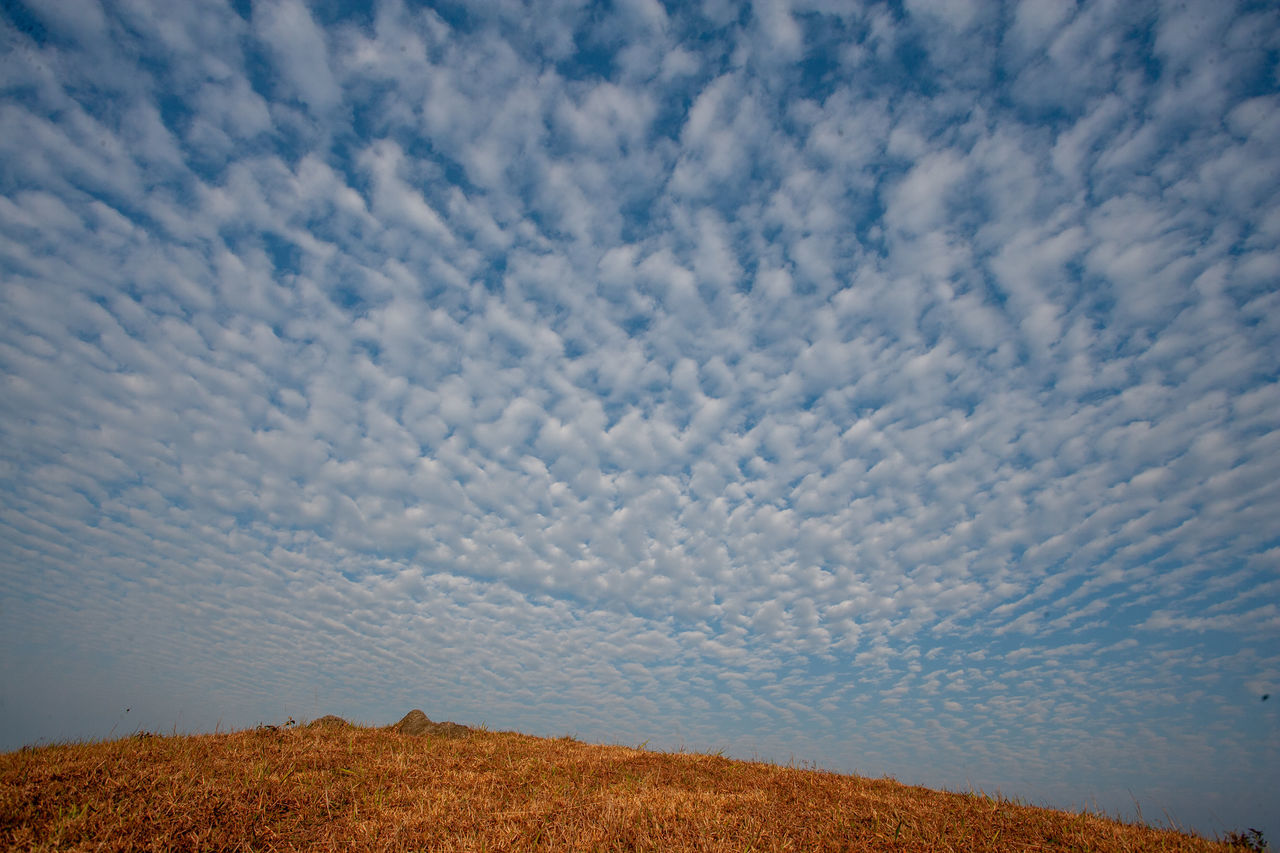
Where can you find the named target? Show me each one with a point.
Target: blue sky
(890, 386)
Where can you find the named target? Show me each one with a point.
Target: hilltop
(442, 786)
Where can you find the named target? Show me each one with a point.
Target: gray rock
(417, 723)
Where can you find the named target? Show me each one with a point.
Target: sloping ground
(337, 786)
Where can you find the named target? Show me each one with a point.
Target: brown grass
(333, 787)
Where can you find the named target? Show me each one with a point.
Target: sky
(892, 388)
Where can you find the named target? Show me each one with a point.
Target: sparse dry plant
(1252, 839)
(343, 787)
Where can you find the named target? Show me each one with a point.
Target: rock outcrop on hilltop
(329, 720)
(417, 723)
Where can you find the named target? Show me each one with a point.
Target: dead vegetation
(334, 786)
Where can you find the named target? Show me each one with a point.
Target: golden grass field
(341, 787)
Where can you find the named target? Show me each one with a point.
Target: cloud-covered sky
(889, 386)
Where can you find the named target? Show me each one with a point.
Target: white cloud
(396, 200)
(1038, 20)
(579, 373)
(919, 203)
(778, 29)
(957, 16)
(287, 30)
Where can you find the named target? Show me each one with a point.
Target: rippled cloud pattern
(891, 386)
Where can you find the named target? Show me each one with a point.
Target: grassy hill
(335, 786)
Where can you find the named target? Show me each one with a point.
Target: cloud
(298, 48)
(855, 384)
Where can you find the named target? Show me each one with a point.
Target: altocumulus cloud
(892, 385)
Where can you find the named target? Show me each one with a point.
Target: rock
(414, 723)
(329, 720)
(417, 723)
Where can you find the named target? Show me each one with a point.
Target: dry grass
(346, 787)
